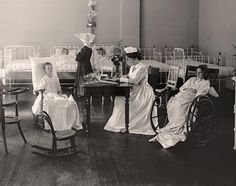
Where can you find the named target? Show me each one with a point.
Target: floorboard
(109, 158)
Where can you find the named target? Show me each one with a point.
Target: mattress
(19, 65)
(163, 67)
(224, 71)
(63, 64)
(103, 63)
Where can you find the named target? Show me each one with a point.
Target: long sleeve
(204, 88)
(139, 76)
(42, 84)
(187, 84)
(79, 56)
(58, 85)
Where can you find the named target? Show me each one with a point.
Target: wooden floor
(109, 158)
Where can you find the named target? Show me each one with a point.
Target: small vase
(117, 71)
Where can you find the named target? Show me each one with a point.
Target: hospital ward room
(117, 92)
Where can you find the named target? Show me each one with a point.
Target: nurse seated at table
(140, 102)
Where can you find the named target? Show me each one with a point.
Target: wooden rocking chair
(64, 135)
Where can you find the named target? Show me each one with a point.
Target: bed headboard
(151, 54)
(73, 49)
(179, 54)
(13, 52)
(36, 45)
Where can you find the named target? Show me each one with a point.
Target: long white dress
(63, 111)
(141, 99)
(177, 110)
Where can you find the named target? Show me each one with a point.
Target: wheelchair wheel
(201, 120)
(158, 115)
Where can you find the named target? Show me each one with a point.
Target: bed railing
(71, 47)
(16, 59)
(19, 51)
(151, 54)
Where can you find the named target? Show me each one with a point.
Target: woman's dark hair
(66, 50)
(46, 64)
(101, 51)
(204, 70)
(135, 55)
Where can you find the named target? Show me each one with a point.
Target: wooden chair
(64, 135)
(172, 79)
(8, 120)
(171, 85)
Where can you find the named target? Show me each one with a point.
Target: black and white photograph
(118, 93)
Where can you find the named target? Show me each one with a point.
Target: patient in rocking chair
(62, 110)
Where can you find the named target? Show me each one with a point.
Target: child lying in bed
(65, 51)
(62, 110)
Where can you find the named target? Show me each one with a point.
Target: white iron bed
(65, 64)
(179, 59)
(152, 57)
(16, 62)
(102, 62)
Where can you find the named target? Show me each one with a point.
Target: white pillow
(58, 51)
(38, 71)
(109, 50)
(73, 53)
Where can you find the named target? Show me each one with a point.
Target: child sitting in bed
(62, 110)
(65, 51)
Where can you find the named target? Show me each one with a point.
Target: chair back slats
(173, 77)
(191, 71)
(179, 54)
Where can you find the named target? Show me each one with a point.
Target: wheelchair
(200, 119)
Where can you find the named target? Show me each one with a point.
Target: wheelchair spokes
(158, 114)
(200, 119)
(201, 130)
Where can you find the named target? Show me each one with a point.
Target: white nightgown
(177, 110)
(63, 111)
(140, 103)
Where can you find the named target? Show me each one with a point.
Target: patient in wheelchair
(177, 109)
(62, 110)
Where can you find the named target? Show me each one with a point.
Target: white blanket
(63, 111)
(177, 109)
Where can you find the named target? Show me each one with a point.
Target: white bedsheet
(102, 63)
(63, 64)
(224, 71)
(19, 65)
(163, 67)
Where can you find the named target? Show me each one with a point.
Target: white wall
(217, 26)
(169, 22)
(50, 22)
(130, 22)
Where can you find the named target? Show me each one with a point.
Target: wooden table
(101, 89)
(14, 91)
